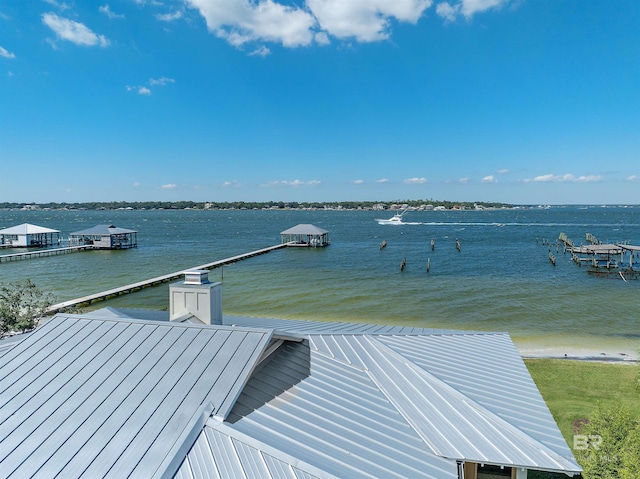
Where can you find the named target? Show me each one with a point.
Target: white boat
(394, 220)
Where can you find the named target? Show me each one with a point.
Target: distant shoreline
(412, 205)
(417, 205)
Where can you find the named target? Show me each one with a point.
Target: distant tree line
(249, 205)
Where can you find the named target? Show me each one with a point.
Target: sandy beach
(604, 353)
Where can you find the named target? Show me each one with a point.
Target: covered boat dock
(105, 237)
(29, 236)
(305, 235)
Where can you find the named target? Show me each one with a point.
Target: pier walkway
(156, 281)
(42, 252)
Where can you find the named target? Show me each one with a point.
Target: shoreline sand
(604, 354)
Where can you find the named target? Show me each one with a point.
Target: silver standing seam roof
(103, 395)
(102, 230)
(115, 398)
(26, 229)
(304, 229)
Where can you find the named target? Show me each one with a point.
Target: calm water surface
(501, 280)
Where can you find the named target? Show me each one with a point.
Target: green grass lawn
(572, 389)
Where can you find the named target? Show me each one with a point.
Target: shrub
(22, 304)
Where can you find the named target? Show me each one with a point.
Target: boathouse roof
(102, 230)
(27, 229)
(304, 229)
(104, 394)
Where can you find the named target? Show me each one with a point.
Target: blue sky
(519, 101)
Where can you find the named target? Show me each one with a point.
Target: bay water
(501, 279)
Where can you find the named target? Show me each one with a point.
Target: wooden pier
(42, 252)
(112, 293)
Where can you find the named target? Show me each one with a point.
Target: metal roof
(102, 230)
(100, 395)
(241, 457)
(302, 328)
(332, 416)
(306, 327)
(364, 404)
(27, 229)
(488, 369)
(116, 398)
(304, 229)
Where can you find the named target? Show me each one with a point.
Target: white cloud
(6, 54)
(415, 181)
(489, 179)
(447, 11)
(72, 31)
(233, 183)
(503, 171)
(137, 184)
(107, 11)
(382, 180)
(463, 180)
(294, 183)
(366, 21)
(141, 90)
(321, 38)
(471, 7)
(160, 81)
(568, 177)
(589, 179)
(169, 17)
(261, 51)
(633, 178)
(60, 5)
(169, 186)
(357, 182)
(243, 21)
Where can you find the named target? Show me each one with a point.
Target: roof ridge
(489, 416)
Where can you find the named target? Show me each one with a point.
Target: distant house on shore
(29, 236)
(305, 235)
(105, 237)
(189, 393)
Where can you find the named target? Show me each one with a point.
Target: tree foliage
(614, 444)
(248, 205)
(22, 304)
